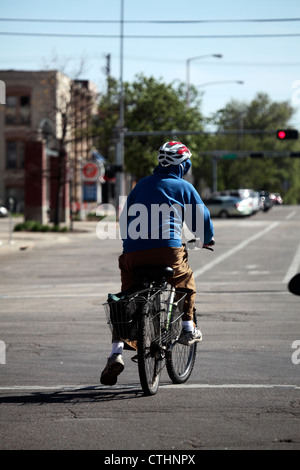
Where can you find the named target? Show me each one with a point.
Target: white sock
(117, 347)
(188, 325)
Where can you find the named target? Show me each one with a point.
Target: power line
(24, 58)
(253, 20)
(141, 36)
(170, 60)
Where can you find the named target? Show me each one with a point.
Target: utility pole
(107, 70)
(120, 189)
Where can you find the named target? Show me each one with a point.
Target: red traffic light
(283, 134)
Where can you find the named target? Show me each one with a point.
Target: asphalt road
(244, 392)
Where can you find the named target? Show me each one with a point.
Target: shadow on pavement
(77, 395)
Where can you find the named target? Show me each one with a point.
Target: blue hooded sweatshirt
(156, 208)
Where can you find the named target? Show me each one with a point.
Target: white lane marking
(232, 251)
(99, 292)
(250, 286)
(258, 273)
(46, 296)
(227, 386)
(291, 215)
(249, 292)
(75, 388)
(294, 267)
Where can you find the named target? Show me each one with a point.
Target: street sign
(90, 172)
(229, 156)
(90, 192)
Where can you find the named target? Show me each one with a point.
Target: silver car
(250, 194)
(229, 206)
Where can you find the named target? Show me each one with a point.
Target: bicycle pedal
(135, 358)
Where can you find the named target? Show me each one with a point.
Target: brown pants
(166, 256)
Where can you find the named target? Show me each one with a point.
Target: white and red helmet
(173, 153)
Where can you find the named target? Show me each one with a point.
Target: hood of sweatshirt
(174, 170)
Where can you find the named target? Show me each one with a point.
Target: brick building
(43, 139)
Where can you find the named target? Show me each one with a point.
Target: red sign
(90, 171)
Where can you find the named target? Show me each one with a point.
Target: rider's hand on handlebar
(196, 244)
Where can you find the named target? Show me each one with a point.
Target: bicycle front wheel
(149, 352)
(181, 361)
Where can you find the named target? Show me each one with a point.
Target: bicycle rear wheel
(149, 352)
(180, 361)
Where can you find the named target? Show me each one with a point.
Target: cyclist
(151, 228)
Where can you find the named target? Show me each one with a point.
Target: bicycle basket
(122, 314)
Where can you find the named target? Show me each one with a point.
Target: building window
(14, 154)
(18, 109)
(11, 109)
(25, 109)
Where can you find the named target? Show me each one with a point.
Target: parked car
(252, 196)
(276, 199)
(228, 206)
(256, 201)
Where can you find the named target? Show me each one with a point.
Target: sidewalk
(11, 241)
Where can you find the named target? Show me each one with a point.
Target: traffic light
(111, 171)
(256, 155)
(285, 134)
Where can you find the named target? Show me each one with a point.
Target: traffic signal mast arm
(233, 155)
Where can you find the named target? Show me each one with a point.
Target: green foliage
(34, 226)
(150, 105)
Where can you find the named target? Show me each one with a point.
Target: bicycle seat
(154, 273)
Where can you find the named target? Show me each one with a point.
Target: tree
(150, 105)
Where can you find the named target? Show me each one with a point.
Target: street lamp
(239, 82)
(218, 56)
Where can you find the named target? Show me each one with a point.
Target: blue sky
(267, 64)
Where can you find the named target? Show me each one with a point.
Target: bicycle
(150, 318)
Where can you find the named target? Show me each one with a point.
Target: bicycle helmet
(173, 153)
